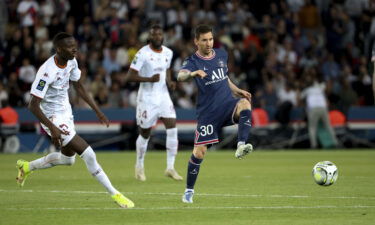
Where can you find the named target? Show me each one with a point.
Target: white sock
(96, 170)
(141, 146)
(52, 159)
(172, 145)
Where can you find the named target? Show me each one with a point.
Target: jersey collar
(155, 50)
(58, 65)
(206, 58)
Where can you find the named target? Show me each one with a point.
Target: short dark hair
(202, 29)
(156, 27)
(60, 36)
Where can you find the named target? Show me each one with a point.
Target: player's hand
(244, 94)
(172, 85)
(155, 78)
(199, 73)
(56, 136)
(103, 119)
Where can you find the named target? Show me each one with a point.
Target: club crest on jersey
(221, 63)
(41, 85)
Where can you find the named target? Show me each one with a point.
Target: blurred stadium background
(273, 46)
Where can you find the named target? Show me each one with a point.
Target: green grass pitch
(265, 188)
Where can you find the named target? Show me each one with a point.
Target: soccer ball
(325, 173)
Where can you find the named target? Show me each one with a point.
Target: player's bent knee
(200, 151)
(244, 104)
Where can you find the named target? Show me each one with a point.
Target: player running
(151, 67)
(216, 107)
(50, 104)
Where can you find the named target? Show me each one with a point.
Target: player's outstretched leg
(141, 147)
(244, 124)
(48, 161)
(96, 170)
(172, 145)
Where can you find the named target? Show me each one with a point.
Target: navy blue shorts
(208, 126)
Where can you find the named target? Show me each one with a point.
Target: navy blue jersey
(213, 90)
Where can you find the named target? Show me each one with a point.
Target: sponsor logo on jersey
(135, 60)
(41, 85)
(217, 76)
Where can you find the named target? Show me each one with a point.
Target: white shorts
(65, 123)
(149, 113)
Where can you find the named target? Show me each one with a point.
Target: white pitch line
(205, 208)
(199, 194)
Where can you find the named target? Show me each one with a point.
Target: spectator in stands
(373, 70)
(3, 94)
(27, 10)
(8, 115)
(317, 110)
(26, 74)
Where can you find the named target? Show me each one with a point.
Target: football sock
(141, 146)
(52, 159)
(244, 124)
(172, 145)
(193, 170)
(96, 170)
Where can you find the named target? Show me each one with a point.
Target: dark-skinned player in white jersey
(50, 104)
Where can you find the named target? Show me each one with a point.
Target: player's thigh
(76, 145)
(169, 122)
(227, 114)
(65, 123)
(147, 115)
(167, 113)
(206, 133)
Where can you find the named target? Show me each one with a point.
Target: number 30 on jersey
(206, 130)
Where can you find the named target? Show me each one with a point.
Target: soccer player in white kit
(151, 67)
(50, 104)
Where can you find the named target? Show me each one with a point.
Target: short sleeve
(42, 80)
(188, 65)
(75, 73)
(170, 57)
(137, 62)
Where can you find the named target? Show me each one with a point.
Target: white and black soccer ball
(325, 173)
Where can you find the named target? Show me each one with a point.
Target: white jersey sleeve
(75, 73)
(170, 57)
(42, 80)
(138, 61)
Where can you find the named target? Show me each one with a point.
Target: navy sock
(192, 172)
(244, 124)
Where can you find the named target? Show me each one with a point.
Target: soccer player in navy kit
(217, 107)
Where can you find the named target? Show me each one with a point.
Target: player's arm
(133, 76)
(88, 99)
(238, 92)
(34, 107)
(185, 75)
(170, 82)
